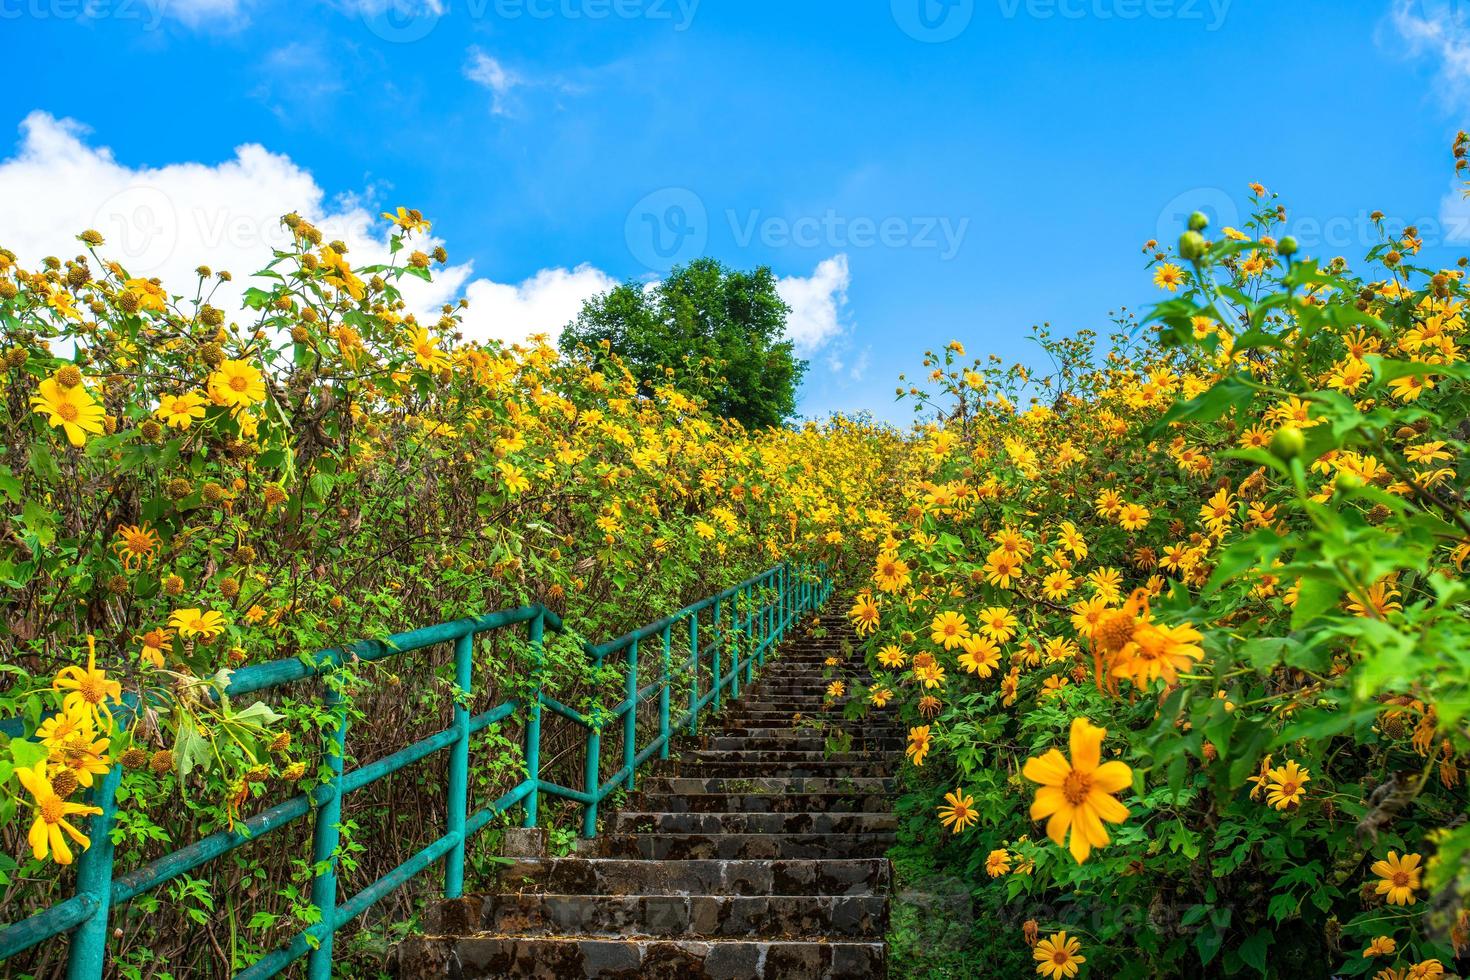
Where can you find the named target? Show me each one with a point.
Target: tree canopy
(718, 333)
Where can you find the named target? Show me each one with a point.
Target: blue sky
(915, 170)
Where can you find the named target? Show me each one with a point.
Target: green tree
(721, 332)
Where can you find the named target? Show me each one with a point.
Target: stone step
(763, 802)
(759, 736)
(793, 741)
(671, 916)
(739, 770)
(483, 957)
(743, 847)
(782, 756)
(622, 876)
(685, 785)
(746, 822)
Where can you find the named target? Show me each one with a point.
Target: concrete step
(743, 847)
(746, 822)
(483, 957)
(623, 876)
(763, 802)
(741, 770)
(687, 785)
(671, 916)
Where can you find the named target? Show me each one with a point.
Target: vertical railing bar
(327, 833)
(592, 781)
(694, 680)
(533, 721)
(719, 642)
(459, 765)
(663, 693)
(630, 718)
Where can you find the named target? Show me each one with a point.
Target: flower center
(1076, 787)
(238, 382)
(92, 690)
(67, 411)
(1059, 957)
(1401, 879)
(1289, 788)
(52, 809)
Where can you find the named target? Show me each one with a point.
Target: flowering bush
(1182, 642)
(188, 491)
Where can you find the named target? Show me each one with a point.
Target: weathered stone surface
(754, 853)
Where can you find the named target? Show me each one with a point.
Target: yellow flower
(879, 696)
(958, 811)
(514, 477)
(891, 656)
(408, 219)
(135, 544)
(46, 834)
(426, 352)
(192, 622)
(90, 689)
(1409, 387)
(150, 295)
(931, 675)
(1285, 785)
(981, 655)
(998, 623)
(1058, 956)
(236, 384)
(180, 411)
(864, 614)
(1077, 795)
(835, 690)
(1001, 567)
(1133, 517)
(1168, 276)
(892, 573)
(998, 862)
(1156, 651)
(949, 629)
(73, 409)
(1381, 946)
(1399, 877)
(919, 741)
(1058, 585)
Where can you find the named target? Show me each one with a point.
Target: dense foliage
(189, 490)
(716, 333)
(1182, 641)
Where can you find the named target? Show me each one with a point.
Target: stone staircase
(751, 853)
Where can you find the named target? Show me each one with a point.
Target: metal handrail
(784, 593)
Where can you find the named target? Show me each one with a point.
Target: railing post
(663, 694)
(533, 722)
(719, 642)
(694, 682)
(88, 956)
(459, 765)
(327, 834)
(592, 780)
(741, 629)
(630, 718)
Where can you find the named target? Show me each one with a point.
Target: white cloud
(544, 303)
(211, 14)
(166, 221)
(1440, 28)
(491, 74)
(1454, 215)
(818, 303)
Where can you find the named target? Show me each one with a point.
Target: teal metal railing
(745, 621)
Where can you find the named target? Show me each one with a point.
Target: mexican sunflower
(46, 834)
(1077, 794)
(1058, 956)
(1399, 877)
